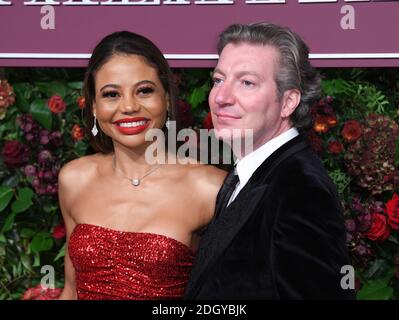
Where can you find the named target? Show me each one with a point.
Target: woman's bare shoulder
(208, 179)
(78, 171)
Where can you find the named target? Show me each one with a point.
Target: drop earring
(94, 130)
(167, 123)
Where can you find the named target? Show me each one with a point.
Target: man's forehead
(247, 58)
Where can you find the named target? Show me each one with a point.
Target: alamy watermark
(348, 278)
(200, 145)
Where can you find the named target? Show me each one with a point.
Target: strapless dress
(111, 264)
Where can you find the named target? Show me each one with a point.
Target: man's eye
(110, 94)
(216, 81)
(247, 83)
(146, 90)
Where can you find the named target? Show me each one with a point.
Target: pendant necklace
(134, 181)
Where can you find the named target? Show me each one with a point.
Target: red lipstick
(131, 126)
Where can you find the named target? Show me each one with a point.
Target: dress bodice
(111, 264)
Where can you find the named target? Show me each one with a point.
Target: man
(278, 231)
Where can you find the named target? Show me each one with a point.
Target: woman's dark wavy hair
(123, 43)
(295, 70)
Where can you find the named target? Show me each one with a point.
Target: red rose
(56, 104)
(315, 142)
(184, 111)
(77, 133)
(81, 102)
(331, 120)
(15, 154)
(335, 147)
(320, 124)
(207, 123)
(379, 230)
(59, 232)
(41, 293)
(352, 130)
(392, 209)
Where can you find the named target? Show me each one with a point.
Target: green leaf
(52, 88)
(75, 85)
(199, 95)
(375, 290)
(12, 181)
(81, 148)
(8, 222)
(23, 91)
(376, 265)
(27, 233)
(26, 262)
(41, 242)
(61, 253)
(41, 113)
(36, 261)
(6, 194)
(24, 200)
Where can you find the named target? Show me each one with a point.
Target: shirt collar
(246, 166)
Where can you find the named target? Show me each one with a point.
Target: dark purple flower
(44, 140)
(361, 250)
(56, 138)
(44, 156)
(30, 170)
(48, 175)
(36, 183)
(364, 222)
(350, 225)
(29, 137)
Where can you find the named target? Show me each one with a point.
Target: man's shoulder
(303, 169)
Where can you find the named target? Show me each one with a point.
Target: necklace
(134, 181)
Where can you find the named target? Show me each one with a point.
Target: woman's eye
(110, 94)
(146, 90)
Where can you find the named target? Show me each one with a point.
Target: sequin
(111, 264)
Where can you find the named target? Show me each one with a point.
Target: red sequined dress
(111, 264)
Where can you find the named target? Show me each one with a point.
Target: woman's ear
(167, 101)
(291, 100)
(94, 108)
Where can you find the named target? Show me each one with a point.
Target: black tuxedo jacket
(283, 237)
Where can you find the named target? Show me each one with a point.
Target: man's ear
(291, 100)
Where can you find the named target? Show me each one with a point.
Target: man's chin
(228, 135)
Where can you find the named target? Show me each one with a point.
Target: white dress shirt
(246, 166)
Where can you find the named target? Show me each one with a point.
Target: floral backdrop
(355, 132)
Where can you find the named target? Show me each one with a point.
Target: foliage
(354, 132)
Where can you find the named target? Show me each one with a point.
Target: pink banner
(63, 33)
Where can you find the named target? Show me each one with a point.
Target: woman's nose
(129, 105)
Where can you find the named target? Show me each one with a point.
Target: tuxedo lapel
(222, 231)
(229, 221)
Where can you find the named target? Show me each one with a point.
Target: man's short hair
(294, 69)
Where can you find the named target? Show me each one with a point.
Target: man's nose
(224, 95)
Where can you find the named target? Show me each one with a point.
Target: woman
(132, 227)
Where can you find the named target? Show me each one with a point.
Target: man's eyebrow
(216, 70)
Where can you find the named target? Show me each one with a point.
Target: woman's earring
(167, 123)
(94, 130)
